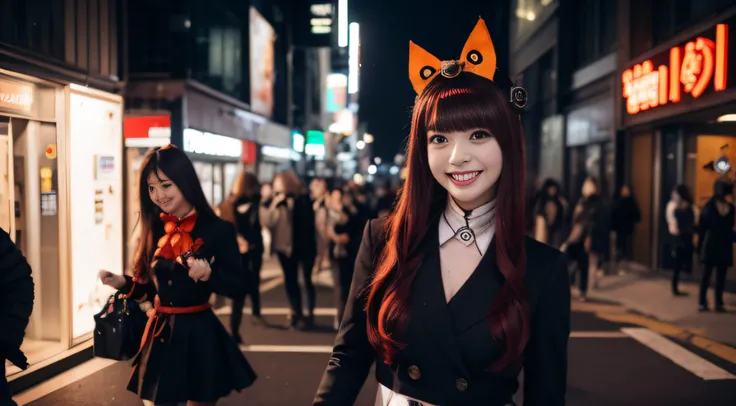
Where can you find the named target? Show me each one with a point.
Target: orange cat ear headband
(478, 57)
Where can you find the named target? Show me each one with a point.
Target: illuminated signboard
(316, 24)
(199, 142)
(16, 96)
(699, 66)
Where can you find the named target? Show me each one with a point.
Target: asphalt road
(607, 367)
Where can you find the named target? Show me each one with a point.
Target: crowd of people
(306, 229)
(598, 230)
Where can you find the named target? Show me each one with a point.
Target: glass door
(34, 179)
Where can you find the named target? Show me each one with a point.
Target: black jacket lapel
(429, 304)
(472, 303)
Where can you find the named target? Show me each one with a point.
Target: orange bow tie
(177, 239)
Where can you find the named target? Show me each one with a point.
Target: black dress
(191, 356)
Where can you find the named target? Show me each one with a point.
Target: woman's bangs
(460, 109)
(151, 166)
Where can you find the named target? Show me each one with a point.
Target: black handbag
(119, 329)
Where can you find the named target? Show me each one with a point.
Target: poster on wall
(262, 70)
(96, 203)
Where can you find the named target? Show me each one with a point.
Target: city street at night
(164, 161)
(610, 363)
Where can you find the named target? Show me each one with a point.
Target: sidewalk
(650, 294)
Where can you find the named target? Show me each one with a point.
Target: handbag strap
(130, 293)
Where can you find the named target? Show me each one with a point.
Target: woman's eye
(150, 189)
(437, 139)
(479, 135)
(166, 185)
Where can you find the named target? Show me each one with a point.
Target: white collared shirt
(482, 221)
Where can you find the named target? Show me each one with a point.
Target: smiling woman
(467, 164)
(449, 298)
(185, 253)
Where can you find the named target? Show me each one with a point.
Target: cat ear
(423, 67)
(479, 53)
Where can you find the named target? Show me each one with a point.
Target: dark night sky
(441, 27)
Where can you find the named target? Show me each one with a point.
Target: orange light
(697, 66)
(641, 87)
(675, 75)
(719, 82)
(691, 69)
(662, 85)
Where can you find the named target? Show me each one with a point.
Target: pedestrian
(319, 194)
(449, 298)
(242, 208)
(625, 215)
(186, 355)
(16, 305)
(585, 243)
(549, 214)
(290, 217)
(715, 242)
(682, 231)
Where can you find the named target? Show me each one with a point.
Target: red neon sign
(691, 69)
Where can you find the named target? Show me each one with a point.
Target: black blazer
(450, 344)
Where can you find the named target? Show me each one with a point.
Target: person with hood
(16, 305)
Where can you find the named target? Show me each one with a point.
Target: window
(526, 15)
(595, 30)
(36, 25)
(672, 16)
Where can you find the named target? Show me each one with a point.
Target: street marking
(598, 334)
(266, 286)
(588, 307)
(677, 354)
(271, 273)
(319, 349)
(692, 336)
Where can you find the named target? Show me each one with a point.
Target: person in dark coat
(186, 253)
(16, 305)
(715, 242)
(624, 218)
(242, 209)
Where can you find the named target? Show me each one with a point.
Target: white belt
(387, 397)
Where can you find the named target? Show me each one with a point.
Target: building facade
(61, 166)
(675, 99)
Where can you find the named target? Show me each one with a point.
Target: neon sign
(691, 70)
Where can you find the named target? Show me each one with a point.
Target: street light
(360, 144)
(372, 170)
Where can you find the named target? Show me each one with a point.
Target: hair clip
(478, 57)
(518, 98)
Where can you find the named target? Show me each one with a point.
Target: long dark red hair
(460, 104)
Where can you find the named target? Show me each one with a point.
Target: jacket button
(461, 384)
(414, 372)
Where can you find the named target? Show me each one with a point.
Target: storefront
(217, 131)
(675, 108)
(216, 159)
(590, 145)
(61, 201)
(276, 151)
